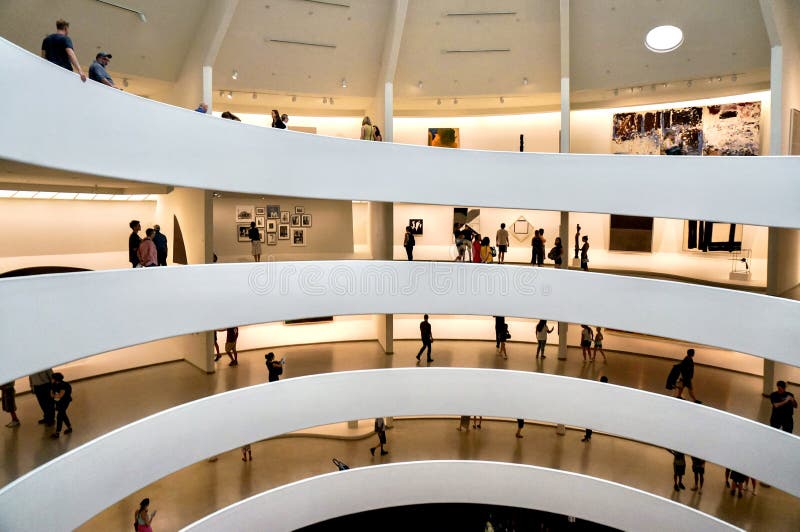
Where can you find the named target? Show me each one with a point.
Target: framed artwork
(273, 211)
(296, 218)
(259, 221)
(521, 227)
(305, 220)
(262, 235)
(272, 226)
(631, 233)
(272, 239)
(299, 210)
(245, 213)
(241, 232)
(284, 217)
(416, 226)
(465, 216)
(444, 137)
(260, 211)
(298, 236)
(283, 232)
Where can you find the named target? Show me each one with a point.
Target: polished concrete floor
(104, 403)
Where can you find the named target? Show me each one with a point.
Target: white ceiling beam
(768, 14)
(391, 46)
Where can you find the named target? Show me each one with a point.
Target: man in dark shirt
(97, 71)
(133, 242)
(499, 329)
(231, 335)
(427, 337)
(161, 245)
(783, 405)
(57, 48)
(62, 395)
(687, 375)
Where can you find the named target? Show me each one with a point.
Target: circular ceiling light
(663, 39)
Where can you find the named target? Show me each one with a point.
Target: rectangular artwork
(260, 221)
(273, 211)
(272, 226)
(284, 217)
(631, 233)
(261, 211)
(444, 137)
(245, 213)
(272, 239)
(241, 232)
(283, 232)
(298, 236)
(463, 216)
(305, 220)
(416, 226)
(296, 219)
(299, 210)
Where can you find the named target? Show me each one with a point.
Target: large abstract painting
(726, 129)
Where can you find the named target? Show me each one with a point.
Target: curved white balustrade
(325, 497)
(43, 319)
(148, 141)
(98, 475)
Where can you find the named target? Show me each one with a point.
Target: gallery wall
(329, 237)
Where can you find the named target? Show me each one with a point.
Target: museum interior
(658, 142)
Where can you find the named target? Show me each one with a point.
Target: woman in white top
(367, 131)
(541, 337)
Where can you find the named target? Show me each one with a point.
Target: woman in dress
(541, 337)
(367, 131)
(486, 251)
(143, 517)
(476, 248)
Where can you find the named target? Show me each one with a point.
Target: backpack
(494, 251)
(552, 254)
(672, 378)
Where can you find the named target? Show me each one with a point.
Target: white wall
(341, 329)
(318, 499)
(360, 224)
(192, 208)
(190, 432)
(348, 127)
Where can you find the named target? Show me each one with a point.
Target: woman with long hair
(367, 131)
(541, 337)
(377, 134)
(276, 120)
(143, 517)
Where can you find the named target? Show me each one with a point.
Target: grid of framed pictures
(273, 224)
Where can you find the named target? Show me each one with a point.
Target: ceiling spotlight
(216, 194)
(710, 80)
(455, 101)
(689, 83)
(663, 39)
(255, 95)
(125, 82)
(331, 100)
(230, 95)
(439, 101)
(733, 78)
(235, 74)
(630, 90)
(665, 85)
(325, 100)
(524, 81)
(344, 83)
(142, 17)
(719, 78)
(294, 98)
(419, 85)
(616, 92)
(502, 100)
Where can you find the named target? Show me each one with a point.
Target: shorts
(256, 245)
(230, 346)
(598, 345)
(684, 383)
(382, 436)
(679, 470)
(738, 477)
(586, 343)
(502, 248)
(699, 469)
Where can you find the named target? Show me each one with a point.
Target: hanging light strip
(476, 51)
(322, 2)
(479, 13)
(303, 43)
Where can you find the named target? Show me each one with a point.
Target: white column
(563, 147)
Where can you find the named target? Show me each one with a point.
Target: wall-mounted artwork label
(245, 213)
(726, 129)
(416, 226)
(274, 211)
(298, 236)
(631, 233)
(444, 137)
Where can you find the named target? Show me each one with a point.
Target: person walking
(587, 434)
(499, 327)
(148, 255)
(687, 376)
(476, 248)
(501, 239)
(577, 240)
(9, 400)
(274, 367)
(409, 242)
(61, 392)
(598, 344)
(380, 430)
(231, 337)
(97, 70)
(586, 343)
(276, 120)
(40, 386)
(541, 337)
(585, 253)
(58, 49)
(462, 242)
(367, 131)
(699, 472)
(486, 251)
(504, 336)
(133, 242)
(142, 518)
(426, 335)
(520, 424)
(255, 241)
(783, 405)
(160, 240)
(556, 253)
(537, 249)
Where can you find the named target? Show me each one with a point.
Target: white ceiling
(722, 37)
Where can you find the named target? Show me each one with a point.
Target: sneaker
(372, 451)
(676, 488)
(384, 453)
(13, 424)
(68, 431)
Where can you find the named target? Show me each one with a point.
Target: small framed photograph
(273, 211)
(259, 221)
(296, 219)
(261, 211)
(241, 231)
(283, 232)
(305, 220)
(272, 239)
(299, 210)
(298, 236)
(416, 226)
(262, 235)
(284, 217)
(272, 226)
(245, 213)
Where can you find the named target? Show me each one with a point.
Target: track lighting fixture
(325, 100)
(524, 81)
(455, 101)
(294, 98)
(439, 101)
(502, 100)
(419, 85)
(235, 74)
(230, 95)
(344, 83)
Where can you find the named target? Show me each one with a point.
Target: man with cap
(97, 72)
